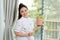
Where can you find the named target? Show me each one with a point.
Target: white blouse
(24, 25)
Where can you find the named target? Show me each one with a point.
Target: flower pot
(39, 21)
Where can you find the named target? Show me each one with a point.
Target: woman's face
(24, 12)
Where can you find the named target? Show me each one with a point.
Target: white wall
(2, 25)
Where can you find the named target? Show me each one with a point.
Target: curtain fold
(10, 7)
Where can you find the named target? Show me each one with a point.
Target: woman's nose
(25, 12)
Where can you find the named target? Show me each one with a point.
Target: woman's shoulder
(32, 19)
(19, 20)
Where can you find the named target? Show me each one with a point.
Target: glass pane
(52, 19)
(52, 9)
(36, 9)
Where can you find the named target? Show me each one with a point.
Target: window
(52, 20)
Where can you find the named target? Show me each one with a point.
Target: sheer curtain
(10, 12)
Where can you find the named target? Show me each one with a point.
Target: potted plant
(39, 20)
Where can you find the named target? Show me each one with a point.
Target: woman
(24, 26)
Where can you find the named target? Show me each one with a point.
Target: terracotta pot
(39, 21)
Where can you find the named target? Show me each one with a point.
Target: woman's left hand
(31, 33)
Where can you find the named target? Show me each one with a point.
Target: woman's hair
(20, 6)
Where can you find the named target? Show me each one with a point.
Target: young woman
(24, 25)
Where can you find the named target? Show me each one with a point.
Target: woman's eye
(25, 10)
(21, 11)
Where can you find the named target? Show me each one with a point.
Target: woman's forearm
(21, 34)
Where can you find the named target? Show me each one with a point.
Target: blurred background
(50, 9)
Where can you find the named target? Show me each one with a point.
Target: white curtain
(10, 12)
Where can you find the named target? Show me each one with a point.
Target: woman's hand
(31, 34)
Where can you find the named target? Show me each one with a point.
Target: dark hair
(20, 6)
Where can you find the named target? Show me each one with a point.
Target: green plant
(40, 16)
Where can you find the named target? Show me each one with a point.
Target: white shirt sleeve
(18, 26)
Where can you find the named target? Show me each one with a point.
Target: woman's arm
(21, 34)
(31, 33)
